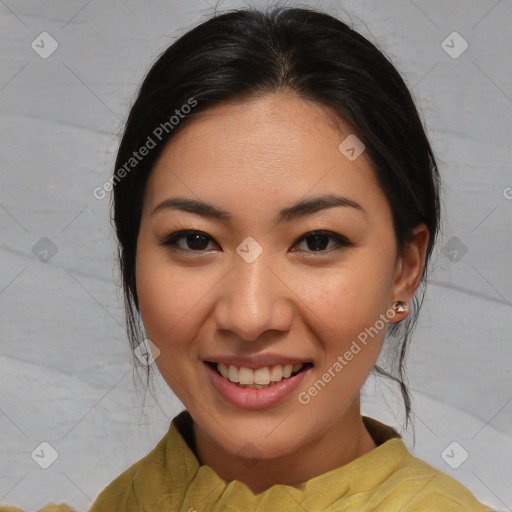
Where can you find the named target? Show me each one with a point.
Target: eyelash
(169, 240)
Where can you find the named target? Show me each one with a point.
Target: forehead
(275, 148)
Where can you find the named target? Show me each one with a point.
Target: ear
(409, 267)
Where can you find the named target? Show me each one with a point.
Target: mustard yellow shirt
(387, 479)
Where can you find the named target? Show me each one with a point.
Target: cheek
(343, 311)
(346, 299)
(167, 297)
(344, 306)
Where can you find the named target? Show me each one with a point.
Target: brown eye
(189, 240)
(318, 241)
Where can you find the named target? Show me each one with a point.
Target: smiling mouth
(261, 378)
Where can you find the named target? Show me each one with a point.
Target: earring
(400, 306)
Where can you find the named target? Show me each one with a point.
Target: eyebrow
(298, 210)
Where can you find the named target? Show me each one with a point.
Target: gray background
(66, 374)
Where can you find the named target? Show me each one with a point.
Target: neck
(344, 441)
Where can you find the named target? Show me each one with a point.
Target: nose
(253, 299)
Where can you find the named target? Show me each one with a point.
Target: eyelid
(340, 242)
(180, 231)
(332, 234)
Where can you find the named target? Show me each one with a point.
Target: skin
(254, 158)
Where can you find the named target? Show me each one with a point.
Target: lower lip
(247, 398)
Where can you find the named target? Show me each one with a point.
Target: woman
(276, 223)
(276, 203)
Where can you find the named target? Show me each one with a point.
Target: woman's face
(254, 284)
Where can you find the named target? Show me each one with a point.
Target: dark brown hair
(249, 52)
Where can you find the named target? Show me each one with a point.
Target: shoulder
(424, 488)
(48, 508)
(406, 483)
(163, 470)
(123, 491)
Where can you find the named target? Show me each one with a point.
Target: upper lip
(257, 360)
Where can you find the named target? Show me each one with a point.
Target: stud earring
(400, 306)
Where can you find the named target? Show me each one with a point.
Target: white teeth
(262, 376)
(223, 369)
(287, 371)
(233, 373)
(276, 373)
(245, 376)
